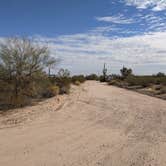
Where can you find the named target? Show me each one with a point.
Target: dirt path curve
(98, 125)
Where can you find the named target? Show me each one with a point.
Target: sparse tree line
(154, 85)
(23, 76)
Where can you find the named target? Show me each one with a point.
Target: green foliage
(92, 77)
(63, 81)
(79, 78)
(160, 74)
(102, 78)
(125, 72)
(51, 91)
(145, 81)
(113, 82)
(22, 65)
(115, 77)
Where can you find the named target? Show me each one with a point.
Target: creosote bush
(79, 78)
(92, 77)
(63, 81)
(51, 91)
(145, 81)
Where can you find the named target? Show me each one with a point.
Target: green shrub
(19, 101)
(113, 82)
(160, 74)
(63, 81)
(103, 78)
(79, 78)
(125, 72)
(63, 84)
(51, 91)
(145, 81)
(92, 77)
(22, 71)
(55, 90)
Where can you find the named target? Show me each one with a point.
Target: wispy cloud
(152, 21)
(119, 19)
(132, 39)
(84, 53)
(155, 5)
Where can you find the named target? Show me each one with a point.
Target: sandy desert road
(97, 125)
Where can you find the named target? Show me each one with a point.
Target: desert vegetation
(23, 76)
(22, 64)
(154, 85)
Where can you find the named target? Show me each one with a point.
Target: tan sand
(96, 125)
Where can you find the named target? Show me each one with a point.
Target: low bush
(79, 78)
(102, 79)
(63, 84)
(114, 82)
(92, 77)
(63, 81)
(19, 101)
(145, 81)
(51, 91)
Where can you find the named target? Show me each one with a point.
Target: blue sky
(86, 33)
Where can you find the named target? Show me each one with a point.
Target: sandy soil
(96, 125)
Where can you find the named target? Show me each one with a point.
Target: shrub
(63, 81)
(51, 91)
(92, 77)
(22, 66)
(144, 81)
(113, 82)
(19, 101)
(63, 84)
(79, 78)
(125, 72)
(103, 78)
(160, 74)
(55, 90)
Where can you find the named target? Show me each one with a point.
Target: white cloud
(152, 21)
(119, 19)
(142, 22)
(155, 5)
(85, 53)
(146, 53)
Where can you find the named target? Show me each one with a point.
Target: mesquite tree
(21, 61)
(125, 72)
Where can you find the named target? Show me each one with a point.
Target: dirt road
(96, 125)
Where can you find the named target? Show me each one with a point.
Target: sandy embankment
(96, 125)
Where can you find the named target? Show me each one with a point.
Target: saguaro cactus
(104, 73)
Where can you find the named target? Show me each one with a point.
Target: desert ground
(96, 125)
